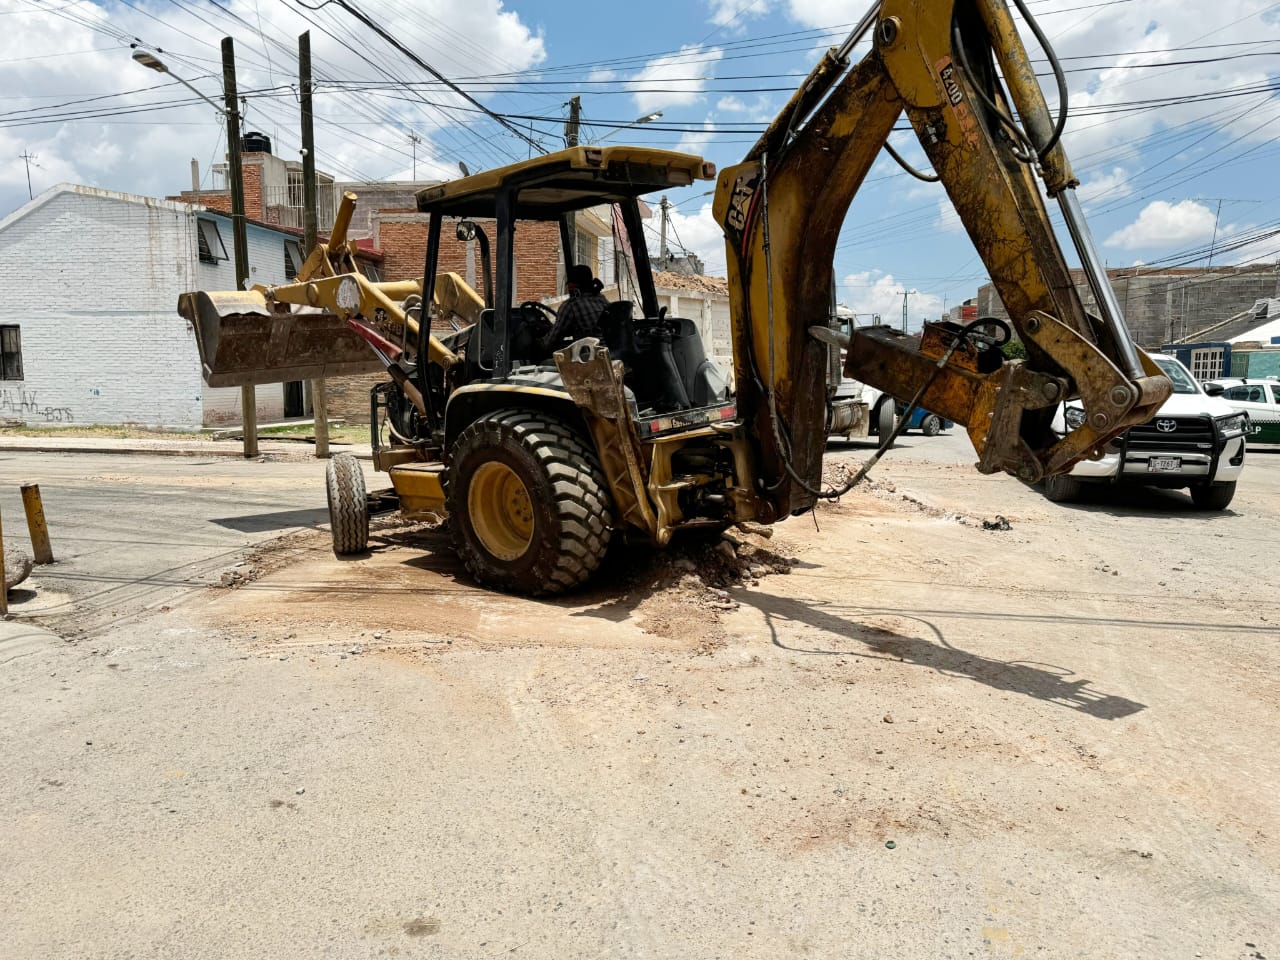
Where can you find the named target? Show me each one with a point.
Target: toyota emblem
(1166, 426)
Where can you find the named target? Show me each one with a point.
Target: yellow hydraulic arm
(782, 209)
(304, 329)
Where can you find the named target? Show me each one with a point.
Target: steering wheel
(544, 314)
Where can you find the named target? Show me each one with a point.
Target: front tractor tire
(348, 505)
(529, 511)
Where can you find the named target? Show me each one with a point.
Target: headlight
(1234, 423)
(1074, 416)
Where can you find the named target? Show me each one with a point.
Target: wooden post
(36, 524)
(249, 419)
(4, 586)
(320, 411)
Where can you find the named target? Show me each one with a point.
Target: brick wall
(254, 205)
(349, 396)
(402, 238)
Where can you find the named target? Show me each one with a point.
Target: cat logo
(740, 202)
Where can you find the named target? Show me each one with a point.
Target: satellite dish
(463, 167)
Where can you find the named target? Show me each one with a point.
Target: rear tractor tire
(348, 505)
(1213, 496)
(529, 511)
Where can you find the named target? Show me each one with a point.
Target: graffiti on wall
(23, 403)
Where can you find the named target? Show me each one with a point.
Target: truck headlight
(1233, 424)
(1074, 416)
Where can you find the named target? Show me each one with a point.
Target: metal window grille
(292, 259)
(10, 352)
(1206, 363)
(210, 242)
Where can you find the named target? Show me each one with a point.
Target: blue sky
(1174, 128)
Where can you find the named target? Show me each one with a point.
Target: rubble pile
(691, 283)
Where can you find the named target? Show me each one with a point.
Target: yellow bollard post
(4, 587)
(40, 547)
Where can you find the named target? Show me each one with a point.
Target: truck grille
(1188, 435)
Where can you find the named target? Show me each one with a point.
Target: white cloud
(1113, 185)
(735, 13)
(45, 60)
(872, 293)
(948, 220)
(674, 80)
(826, 13)
(697, 141)
(696, 232)
(1162, 225)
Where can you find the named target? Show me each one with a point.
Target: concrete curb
(143, 451)
(230, 450)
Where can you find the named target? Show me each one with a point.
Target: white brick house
(89, 331)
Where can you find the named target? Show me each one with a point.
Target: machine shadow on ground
(1144, 502)
(1047, 682)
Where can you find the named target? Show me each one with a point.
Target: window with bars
(1206, 363)
(10, 352)
(292, 259)
(210, 241)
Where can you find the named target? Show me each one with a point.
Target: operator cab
(666, 367)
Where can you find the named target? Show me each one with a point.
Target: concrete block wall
(1164, 306)
(101, 341)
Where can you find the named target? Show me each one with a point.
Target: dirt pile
(680, 592)
(837, 473)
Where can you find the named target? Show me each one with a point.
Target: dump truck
(542, 453)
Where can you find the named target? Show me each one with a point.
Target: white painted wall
(266, 265)
(93, 279)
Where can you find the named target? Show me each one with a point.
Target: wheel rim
(500, 511)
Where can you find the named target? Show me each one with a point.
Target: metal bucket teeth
(243, 340)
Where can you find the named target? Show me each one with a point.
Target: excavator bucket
(244, 340)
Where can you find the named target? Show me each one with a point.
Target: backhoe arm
(782, 210)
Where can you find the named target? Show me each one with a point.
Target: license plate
(1164, 464)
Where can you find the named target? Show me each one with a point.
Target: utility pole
(414, 140)
(905, 295)
(662, 242)
(310, 227)
(571, 126)
(29, 158)
(571, 130)
(239, 240)
(1217, 214)
(1214, 239)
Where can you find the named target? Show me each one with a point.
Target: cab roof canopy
(573, 179)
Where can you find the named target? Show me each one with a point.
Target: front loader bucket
(244, 341)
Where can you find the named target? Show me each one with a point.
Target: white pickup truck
(1195, 442)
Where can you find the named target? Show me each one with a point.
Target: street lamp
(152, 62)
(648, 118)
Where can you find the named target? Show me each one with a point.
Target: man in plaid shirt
(579, 316)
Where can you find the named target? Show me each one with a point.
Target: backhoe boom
(782, 210)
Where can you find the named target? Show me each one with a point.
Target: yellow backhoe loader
(540, 452)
